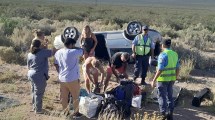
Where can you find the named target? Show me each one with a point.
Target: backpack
(109, 110)
(113, 108)
(120, 93)
(124, 108)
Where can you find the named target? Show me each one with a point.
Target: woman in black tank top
(88, 42)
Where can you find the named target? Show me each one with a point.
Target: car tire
(71, 32)
(127, 36)
(134, 28)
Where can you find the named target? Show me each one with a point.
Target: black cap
(166, 42)
(69, 41)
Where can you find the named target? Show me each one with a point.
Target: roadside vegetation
(192, 32)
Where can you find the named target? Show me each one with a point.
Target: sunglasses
(145, 29)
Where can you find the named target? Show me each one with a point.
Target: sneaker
(76, 115)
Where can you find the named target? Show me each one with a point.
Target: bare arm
(133, 50)
(177, 73)
(95, 42)
(56, 67)
(88, 73)
(113, 67)
(102, 73)
(81, 40)
(155, 77)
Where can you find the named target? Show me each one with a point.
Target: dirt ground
(21, 92)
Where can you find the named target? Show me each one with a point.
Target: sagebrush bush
(185, 68)
(8, 77)
(8, 25)
(9, 55)
(197, 36)
(200, 59)
(4, 41)
(22, 38)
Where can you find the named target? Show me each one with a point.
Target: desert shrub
(9, 55)
(30, 12)
(8, 77)
(46, 26)
(22, 38)
(185, 68)
(8, 25)
(70, 16)
(4, 41)
(185, 52)
(197, 36)
(166, 30)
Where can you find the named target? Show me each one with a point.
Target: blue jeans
(165, 99)
(141, 65)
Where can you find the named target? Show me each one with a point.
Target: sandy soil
(183, 111)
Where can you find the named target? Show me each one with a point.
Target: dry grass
(8, 77)
(9, 55)
(185, 69)
(8, 88)
(147, 116)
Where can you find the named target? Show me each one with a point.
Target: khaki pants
(74, 89)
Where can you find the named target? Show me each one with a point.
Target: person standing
(92, 66)
(166, 74)
(37, 73)
(67, 65)
(118, 62)
(40, 35)
(88, 42)
(142, 48)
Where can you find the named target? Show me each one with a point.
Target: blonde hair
(85, 34)
(96, 63)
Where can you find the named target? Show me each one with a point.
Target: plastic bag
(136, 101)
(88, 105)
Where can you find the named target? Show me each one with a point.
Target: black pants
(141, 65)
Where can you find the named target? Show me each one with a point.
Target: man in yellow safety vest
(142, 48)
(167, 73)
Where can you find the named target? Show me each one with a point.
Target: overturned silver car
(110, 42)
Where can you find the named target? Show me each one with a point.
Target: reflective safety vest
(142, 48)
(169, 72)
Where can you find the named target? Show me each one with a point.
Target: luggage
(198, 98)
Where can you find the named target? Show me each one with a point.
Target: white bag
(88, 105)
(136, 101)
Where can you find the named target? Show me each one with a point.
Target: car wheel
(71, 32)
(134, 28)
(127, 36)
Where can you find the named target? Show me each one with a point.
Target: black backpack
(120, 109)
